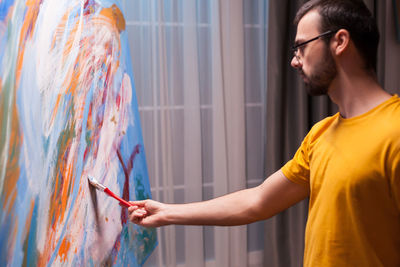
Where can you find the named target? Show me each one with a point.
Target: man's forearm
(233, 209)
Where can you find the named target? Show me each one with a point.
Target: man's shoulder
(391, 113)
(325, 123)
(396, 103)
(322, 126)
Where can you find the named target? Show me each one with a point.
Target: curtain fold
(220, 161)
(193, 180)
(389, 48)
(165, 129)
(290, 114)
(232, 41)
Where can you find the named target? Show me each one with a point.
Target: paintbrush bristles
(95, 183)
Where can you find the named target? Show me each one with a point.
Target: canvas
(68, 109)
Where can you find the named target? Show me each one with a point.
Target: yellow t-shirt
(352, 167)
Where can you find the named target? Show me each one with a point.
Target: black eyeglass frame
(296, 47)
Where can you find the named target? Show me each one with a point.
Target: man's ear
(340, 42)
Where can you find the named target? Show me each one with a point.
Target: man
(348, 164)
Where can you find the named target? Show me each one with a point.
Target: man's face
(315, 63)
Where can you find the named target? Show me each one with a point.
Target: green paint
(140, 191)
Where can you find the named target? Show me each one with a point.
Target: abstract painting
(68, 109)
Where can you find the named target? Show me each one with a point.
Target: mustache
(300, 72)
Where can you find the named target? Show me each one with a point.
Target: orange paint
(27, 30)
(115, 16)
(72, 35)
(63, 180)
(68, 83)
(12, 165)
(64, 249)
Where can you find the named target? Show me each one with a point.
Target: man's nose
(295, 63)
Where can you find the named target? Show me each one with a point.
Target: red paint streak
(108, 75)
(132, 158)
(127, 170)
(115, 249)
(103, 100)
(86, 4)
(85, 154)
(118, 101)
(88, 7)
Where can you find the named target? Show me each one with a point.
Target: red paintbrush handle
(122, 201)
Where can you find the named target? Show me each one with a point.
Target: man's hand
(147, 213)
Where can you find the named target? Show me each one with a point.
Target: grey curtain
(389, 48)
(291, 113)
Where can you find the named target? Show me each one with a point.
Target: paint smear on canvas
(68, 109)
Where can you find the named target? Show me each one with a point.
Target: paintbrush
(103, 188)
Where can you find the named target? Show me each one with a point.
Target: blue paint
(4, 7)
(108, 3)
(22, 210)
(32, 250)
(7, 220)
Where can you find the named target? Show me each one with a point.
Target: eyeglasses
(296, 47)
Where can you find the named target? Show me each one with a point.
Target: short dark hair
(352, 15)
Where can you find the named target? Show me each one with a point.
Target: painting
(68, 109)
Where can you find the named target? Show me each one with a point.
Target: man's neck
(356, 94)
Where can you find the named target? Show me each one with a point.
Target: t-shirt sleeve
(297, 169)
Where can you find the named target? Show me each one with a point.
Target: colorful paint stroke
(67, 110)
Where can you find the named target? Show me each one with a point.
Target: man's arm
(274, 195)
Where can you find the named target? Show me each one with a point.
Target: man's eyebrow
(298, 41)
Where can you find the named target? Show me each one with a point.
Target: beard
(318, 82)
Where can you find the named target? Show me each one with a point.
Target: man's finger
(140, 212)
(139, 203)
(132, 208)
